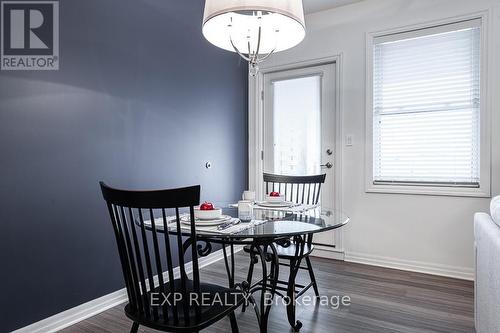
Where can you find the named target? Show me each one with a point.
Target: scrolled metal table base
(294, 268)
(264, 250)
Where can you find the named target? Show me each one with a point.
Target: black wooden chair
(148, 260)
(297, 189)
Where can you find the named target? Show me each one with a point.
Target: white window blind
(426, 104)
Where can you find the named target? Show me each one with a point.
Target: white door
(299, 128)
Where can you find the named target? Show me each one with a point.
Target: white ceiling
(312, 6)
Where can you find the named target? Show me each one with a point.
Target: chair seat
(216, 302)
(287, 252)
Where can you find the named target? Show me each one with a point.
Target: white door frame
(256, 129)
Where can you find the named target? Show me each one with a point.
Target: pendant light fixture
(254, 29)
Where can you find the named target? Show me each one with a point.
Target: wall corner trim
(86, 310)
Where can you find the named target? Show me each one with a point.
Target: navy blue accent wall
(141, 100)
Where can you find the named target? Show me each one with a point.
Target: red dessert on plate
(207, 206)
(207, 211)
(275, 197)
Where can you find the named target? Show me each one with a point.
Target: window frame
(484, 189)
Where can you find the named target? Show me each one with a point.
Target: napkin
(207, 229)
(298, 208)
(227, 231)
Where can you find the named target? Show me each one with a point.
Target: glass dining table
(268, 229)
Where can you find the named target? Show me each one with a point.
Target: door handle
(327, 165)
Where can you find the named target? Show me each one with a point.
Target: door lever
(327, 165)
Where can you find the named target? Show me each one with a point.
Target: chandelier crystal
(254, 29)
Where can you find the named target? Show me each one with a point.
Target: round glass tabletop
(270, 223)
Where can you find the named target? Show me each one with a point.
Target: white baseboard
(327, 252)
(463, 273)
(81, 312)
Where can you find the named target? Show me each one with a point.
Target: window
(426, 108)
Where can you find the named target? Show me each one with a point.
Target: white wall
(416, 232)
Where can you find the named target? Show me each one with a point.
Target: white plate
(283, 204)
(198, 222)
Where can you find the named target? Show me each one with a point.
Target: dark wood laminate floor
(382, 300)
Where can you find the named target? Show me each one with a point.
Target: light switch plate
(348, 140)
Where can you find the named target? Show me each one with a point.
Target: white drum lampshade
(254, 28)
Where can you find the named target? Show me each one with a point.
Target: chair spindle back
(148, 257)
(297, 189)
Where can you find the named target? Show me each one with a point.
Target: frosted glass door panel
(297, 126)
